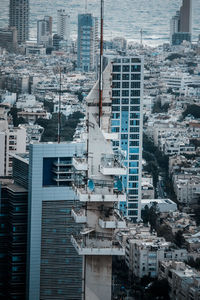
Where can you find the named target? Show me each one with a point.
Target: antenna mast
(85, 6)
(101, 64)
(141, 37)
(59, 108)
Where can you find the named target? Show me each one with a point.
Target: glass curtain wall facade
(127, 120)
(87, 42)
(19, 18)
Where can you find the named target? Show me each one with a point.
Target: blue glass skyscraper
(127, 120)
(87, 43)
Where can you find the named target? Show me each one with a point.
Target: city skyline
(151, 35)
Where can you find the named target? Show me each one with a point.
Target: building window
(115, 108)
(116, 93)
(125, 85)
(116, 101)
(125, 93)
(126, 68)
(125, 108)
(125, 76)
(125, 101)
(116, 85)
(116, 68)
(134, 143)
(136, 68)
(116, 77)
(135, 85)
(135, 93)
(135, 101)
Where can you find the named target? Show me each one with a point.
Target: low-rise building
(163, 205)
(187, 190)
(184, 282)
(144, 250)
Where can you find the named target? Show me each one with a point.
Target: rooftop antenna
(141, 37)
(101, 64)
(59, 107)
(86, 5)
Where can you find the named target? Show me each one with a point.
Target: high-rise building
(56, 41)
(127, 121)
(44, 31)
(8, 38)
(63, 24)
(181, 24)
(19, 18)
(186, 16)
(54, 269)
(87, 42)
(98, 186)
(174, 25)
(13, 233)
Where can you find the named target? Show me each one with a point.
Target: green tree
(179, 239)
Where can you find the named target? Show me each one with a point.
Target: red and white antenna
(101, 64)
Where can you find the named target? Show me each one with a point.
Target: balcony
(102, 191)
(62, 163)
(97, 244)
(62, 178)
(80, 164)
(114, 221)
(112, 165)
(62, 170)
(79, 215)
(113, 136)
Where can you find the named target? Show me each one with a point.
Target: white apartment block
(184, 282)
(12, 140)
(178, 146)
(163, 205)
(144, 253)
(187, 190)
(179, 81)
(63, 24)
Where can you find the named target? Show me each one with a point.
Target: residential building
(12, 140)
(186, 16)
(19, 18)
(174, 25)
(178, 221)
(16, 83)
(87, 42)
(54, 269)
(143, 254)
(34, 49)
(33, 133)
(147, 190)
(31, 115)
(184, 282)
(163, 205)
(44, 31)
(63, 24)
(181, 24)
(127, 122)
(8, 39)
(187, 190)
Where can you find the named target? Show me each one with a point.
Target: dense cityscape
(99, 160)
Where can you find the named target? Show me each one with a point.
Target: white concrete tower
(98, 186)
(63, 24)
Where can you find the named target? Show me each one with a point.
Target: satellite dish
(91, 185)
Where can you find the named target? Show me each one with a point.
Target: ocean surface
(122, 17)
